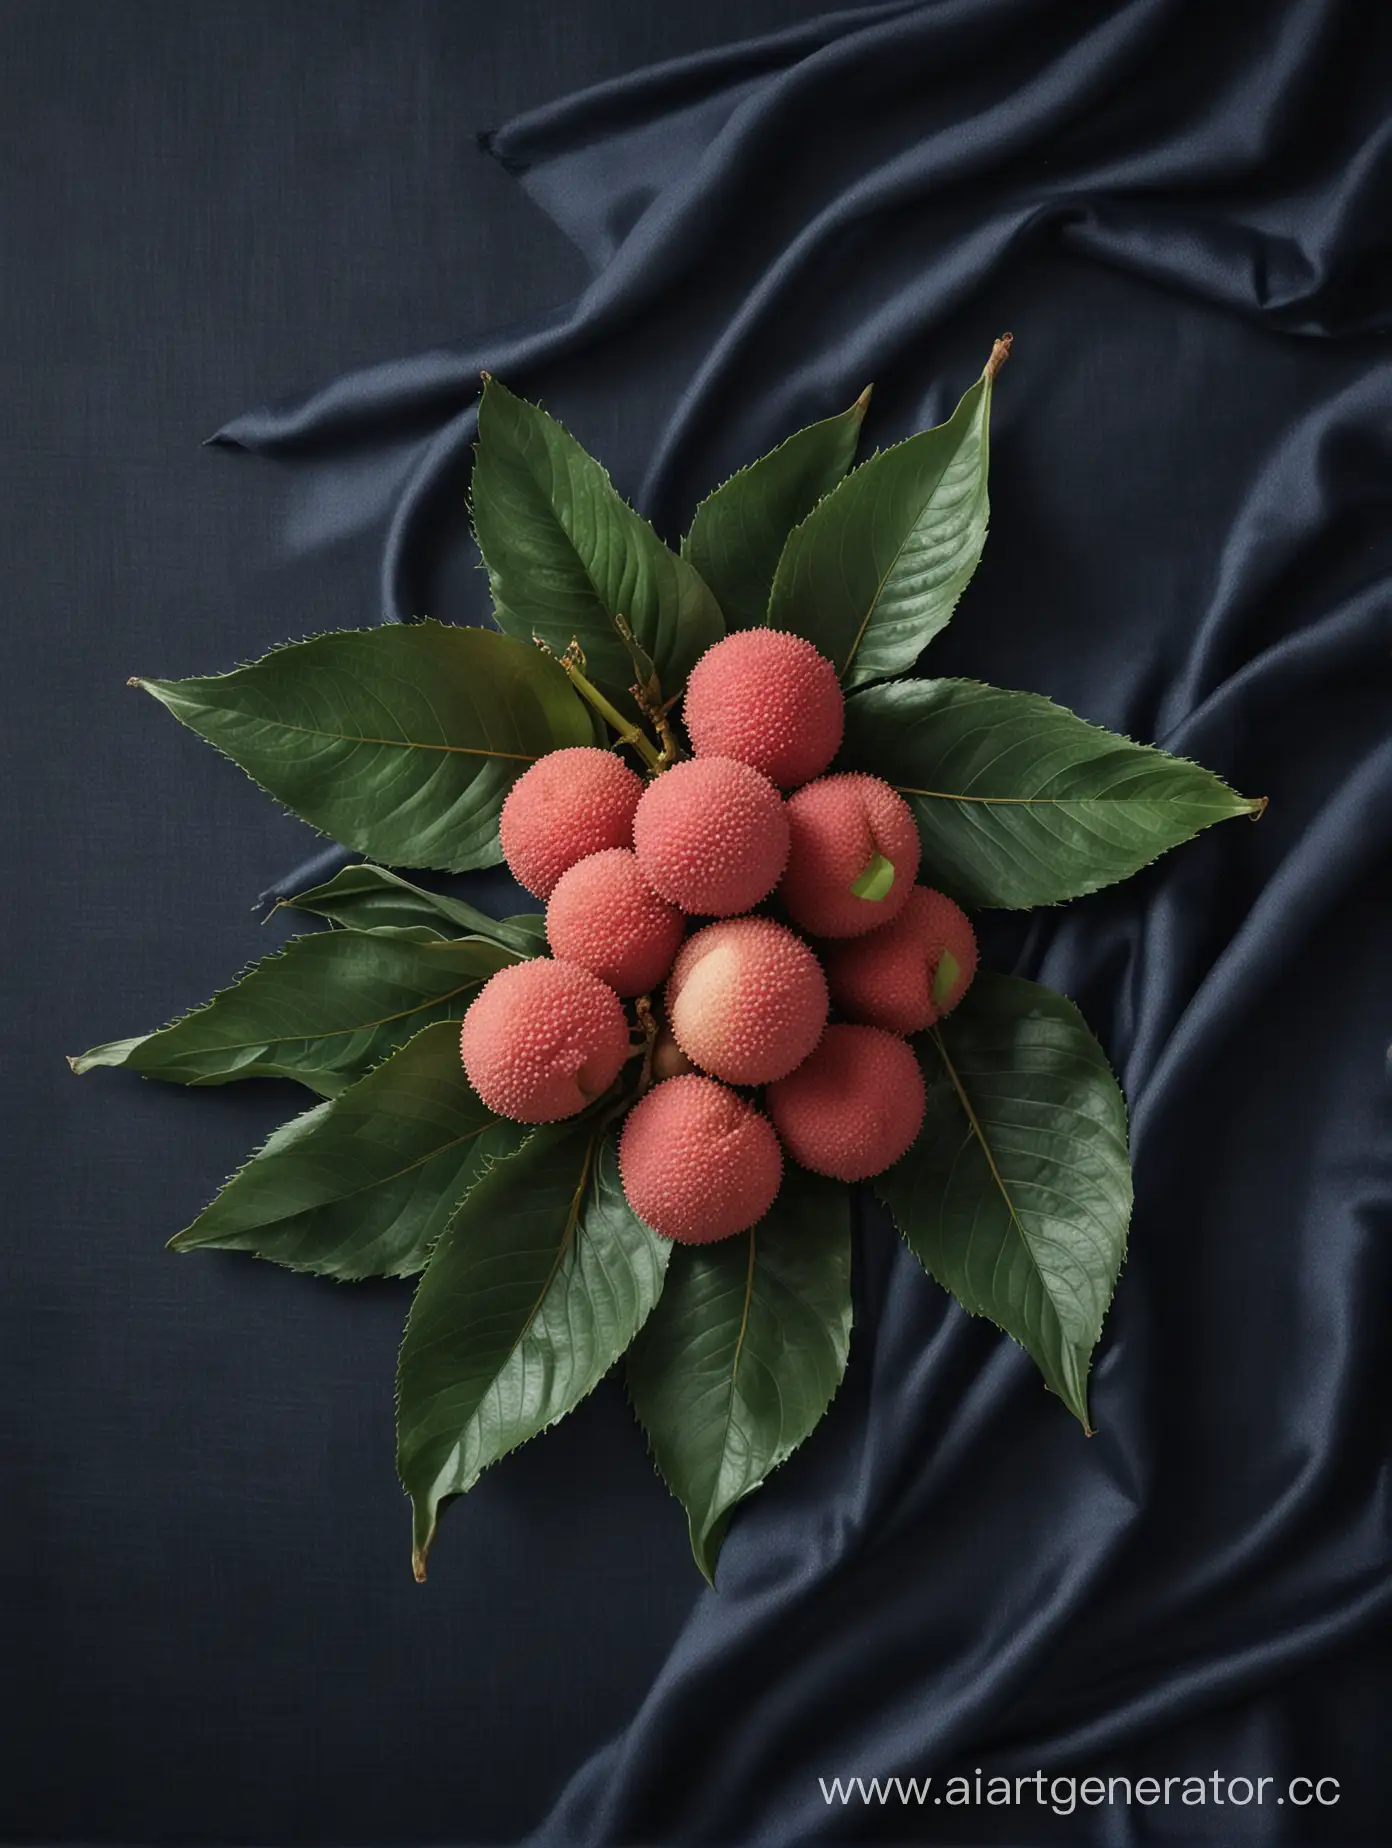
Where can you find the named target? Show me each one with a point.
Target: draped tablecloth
(1182, 212)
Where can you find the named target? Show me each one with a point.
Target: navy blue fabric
(1181, 211)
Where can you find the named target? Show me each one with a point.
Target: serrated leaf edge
(326, 1103)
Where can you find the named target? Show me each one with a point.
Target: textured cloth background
(209, 1629)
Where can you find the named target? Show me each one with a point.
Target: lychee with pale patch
(746, 1000)
(605, 916)
(854, 1107)
(770, 700)
(909, 973)
(569, 804)
(697, 1161)
(852, 855)
(543, 1039)
(711, 836)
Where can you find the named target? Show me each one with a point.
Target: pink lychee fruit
(769, 699)
(854, 1107)
(569, 804)
(910, 972)
(746, 1000)
(605, 916)
(542, 1039)
(711, 835)
(848, 830)
(697, 1161)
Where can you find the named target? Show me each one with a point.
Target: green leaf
(877, 879)
(744, 1352)
(401, 742)
(739, 532)
(363, 1185)
(875, 570)
(1019, 802)
(366, 897)
(566, 555)
(1017, 1193)
(323, 1010)
(536, 1288)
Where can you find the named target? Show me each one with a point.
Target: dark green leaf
(565, 554)
(323, 1010)
(739, 532)
(537, 1287)
(367, 897)
(1018, 801)
(1017, 1193)
(875, 570)
(744, 1352)
(400, 742)
(363, 1185)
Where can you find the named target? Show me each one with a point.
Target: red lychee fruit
(569, 804)
(711, 835)
(854, 1107)
(697, 1161)
(542, 1039)
(769, 699)
(605, 916)
(910, 972)
(746, 1000)
(845, 830)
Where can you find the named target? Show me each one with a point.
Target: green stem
(628, 732)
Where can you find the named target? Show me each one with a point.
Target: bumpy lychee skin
(899, 976)
(542, 1039)
(837, 826)
(698, 1162)
(854, 1107)
(746, 1000)
(711, 835)
(569, 804)
(769, 699)
(605, 916)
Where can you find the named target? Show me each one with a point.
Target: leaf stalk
(629, 733)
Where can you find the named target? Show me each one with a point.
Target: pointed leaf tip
(377, 737)
(1019, 802)
(564, 551)
(425, 1521)
(740, 531)
(743, 1354)
(1028, 1229)
(544, 1257)
(875, 569)
(1000, 352)
(705, 1550)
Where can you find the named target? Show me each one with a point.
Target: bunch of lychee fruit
(734, 917)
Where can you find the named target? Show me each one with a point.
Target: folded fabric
(1181, 211)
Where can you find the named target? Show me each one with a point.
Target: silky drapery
(1183, 212)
